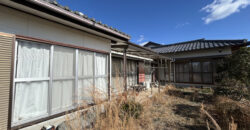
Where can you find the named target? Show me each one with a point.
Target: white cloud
(220, 9)
(141, 38)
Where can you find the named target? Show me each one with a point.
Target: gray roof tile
(198, 45)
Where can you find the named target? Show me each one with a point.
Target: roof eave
(90, 23)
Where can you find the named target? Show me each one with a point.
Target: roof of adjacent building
(150, 43)
(198, 45)
(53, 5)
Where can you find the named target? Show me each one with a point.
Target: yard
(172, 109)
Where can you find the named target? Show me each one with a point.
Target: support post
(159, 70)
(169, 72)
(174, 73)
(125, 69)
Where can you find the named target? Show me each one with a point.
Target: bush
(131, 109)
(236, 66)
(234, 75)
(231, 88)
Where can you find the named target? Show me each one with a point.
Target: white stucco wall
(202, 53)
(15, 22)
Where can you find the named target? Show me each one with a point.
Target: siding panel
(6, 42)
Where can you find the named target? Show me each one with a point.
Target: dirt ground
(174, 113)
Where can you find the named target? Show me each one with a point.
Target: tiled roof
(84, 16)
(147, 44)
(198, 45)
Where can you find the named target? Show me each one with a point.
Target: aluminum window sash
(29, 120)
(75, 92)
(51, 80)
(14, 85)
(94, 63)
(17, 80)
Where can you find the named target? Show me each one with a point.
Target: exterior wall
(202, 53)
(15, 22)
(6, 45)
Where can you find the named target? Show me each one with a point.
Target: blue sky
(170, 21)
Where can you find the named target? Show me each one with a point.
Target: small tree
(236, 66)
(234, 74)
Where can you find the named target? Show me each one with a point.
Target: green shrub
(236, 66)
(131, 109)
(234, 75)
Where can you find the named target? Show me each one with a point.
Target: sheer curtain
(101, 81)
(63, 78)
(85, 76)
(31, 97)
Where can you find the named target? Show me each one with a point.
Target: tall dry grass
(109, 115)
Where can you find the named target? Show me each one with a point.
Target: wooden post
(159, 68)
(169, 72)
(125, 69)
(174, 73)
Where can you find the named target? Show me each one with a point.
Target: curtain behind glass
(31, 97)
(63, 67)
(86, 71)
(101, 83)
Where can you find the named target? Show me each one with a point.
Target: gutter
(79, 17)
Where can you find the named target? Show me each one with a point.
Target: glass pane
(181, 77)
(186, 67)
(207, 78)
(180, 67)
(85, 63)
(31, 100)
(116, 67)
(186, 77)
(63, 62)
(33, 60)
(62, 94)
(101, 87)
(117, 84)
(197, 77)
(206, 67)
(196, 66)
(85, 91)
(101, 64)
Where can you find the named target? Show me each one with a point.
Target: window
(182, 72)
(63, 78)
(131, 73)
(49, 79)
(101, 75)
(207, 72)
(31, 81)
(194, 72)
(85, 76)
(196, 67)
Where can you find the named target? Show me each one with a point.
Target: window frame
(50, 79)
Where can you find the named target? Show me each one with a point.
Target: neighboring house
(53, 58)
(195, 61)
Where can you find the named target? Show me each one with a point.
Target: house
(194, 62)
(52, 58)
